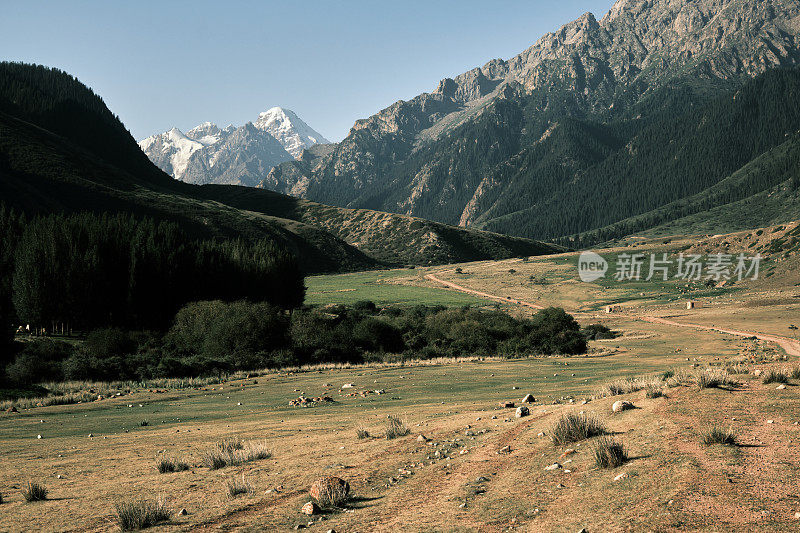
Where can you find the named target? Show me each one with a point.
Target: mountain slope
(489, 147)
(42, 171)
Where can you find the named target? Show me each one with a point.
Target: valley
(489, 476)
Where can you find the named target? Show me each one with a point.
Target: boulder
(310, 508)
(328, 484)
(522, 411)
(621, 405)
(422, 438)
(528, 398)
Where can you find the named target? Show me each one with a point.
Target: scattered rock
(494, 417)
(770, 421)
(422, 438)
(183, 512)
(522, 411)
(329, 483)
(12, 409)
(481, 479)
(528, 398)
(507, 405)
(620, 476)
(757, 372)
(348, 386)
(38, 436)
(310, 508)
(568, 451)
(621, 405)
(781, 386)
(554, 466)
(504, 449)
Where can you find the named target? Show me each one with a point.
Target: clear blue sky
(180, 63)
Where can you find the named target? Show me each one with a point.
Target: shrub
(362, 433)
(795, 373)
(237, 487)
(718, 435)
(168, 464)
(34, 492)
(774, 375)
(40, 360)
(395, 427)
(144, 423)
(597, 331)
(141, 514)
(609, 453)
(575, 427)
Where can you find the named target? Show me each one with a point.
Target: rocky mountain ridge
(231, 156)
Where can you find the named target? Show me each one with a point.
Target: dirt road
(482, 294)
(791, 346)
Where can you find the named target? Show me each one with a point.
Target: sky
(160, 64)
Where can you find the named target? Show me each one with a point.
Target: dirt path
(482, 294)
(791, 346)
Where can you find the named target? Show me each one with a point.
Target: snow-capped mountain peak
(239, 155)
(289, 129)
(171, 149)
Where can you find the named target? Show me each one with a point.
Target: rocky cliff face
(598, 70)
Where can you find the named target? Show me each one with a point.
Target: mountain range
(231, 155)
(63, 151)
(657, 112)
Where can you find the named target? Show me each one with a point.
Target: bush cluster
(213, 337)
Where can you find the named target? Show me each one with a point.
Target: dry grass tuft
(141, 514)
(795, 372)
(628, 385)
(609, 453)
(332, 495)
(34, 492)
(654, 392)
(774, 375)
(237, 487)
(718, 435)
(575, 427)
(362, 433)
(169, 464)
(235, 452)
(395, 427)
(709, 378)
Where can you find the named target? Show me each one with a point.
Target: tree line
(88, 271)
